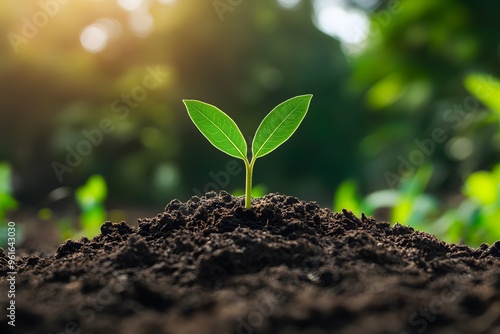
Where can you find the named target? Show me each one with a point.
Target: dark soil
(286, 266)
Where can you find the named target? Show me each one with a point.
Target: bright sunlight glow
(348, 25)
(94, 38)
(288, 4)
(141, 23)
(130, 5)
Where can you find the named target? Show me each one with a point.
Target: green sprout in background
(222, 132)
(473, 221)
(7, 201)
(90, 198)
(407, 204)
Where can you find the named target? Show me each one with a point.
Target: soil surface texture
(286, 266)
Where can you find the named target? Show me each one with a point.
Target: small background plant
(7, 202)
(472, 221)
(90, 198)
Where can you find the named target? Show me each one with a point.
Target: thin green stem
(248, 186)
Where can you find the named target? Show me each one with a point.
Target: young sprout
(222, 132)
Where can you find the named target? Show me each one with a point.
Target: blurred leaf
(485, 88)
(423, 207)
(415, 186)
(401, 213)
(259, 190)
(7, 202)
(386, 198)
(449, 226)
(414, 205)
(385, 92)
(496, 173)
(347, 197)
(482, 187)
(90, 198)
(92, 193)
(490, 220)
(92, 221)
(5, 178)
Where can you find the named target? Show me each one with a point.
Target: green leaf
(347, 197)
(5, 178)
(485, 88)
(220, 130)
(279, 125)
(482, 187)
(386, 92)
(92, 193)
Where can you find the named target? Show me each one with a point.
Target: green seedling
(7, 201)
(222, 132)
(408, 204)
(90, 198)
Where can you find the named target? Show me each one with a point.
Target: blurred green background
(404, 123)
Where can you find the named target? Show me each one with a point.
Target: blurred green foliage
(408, 203)
(7, 202)
(472, 221)
(89, 200)
(412, 73)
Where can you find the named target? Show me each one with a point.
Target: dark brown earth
(286, 266)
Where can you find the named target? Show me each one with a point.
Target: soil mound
(286, 266)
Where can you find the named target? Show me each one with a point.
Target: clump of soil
(286, 266)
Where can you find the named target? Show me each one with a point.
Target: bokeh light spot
(288, 4)
(141, 23)
(166, 176)
(460, 148)
(271, 78)
(130, 5)
(94, 38)
(348, 25)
